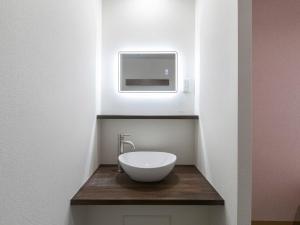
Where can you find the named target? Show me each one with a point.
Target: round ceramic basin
(147, 166)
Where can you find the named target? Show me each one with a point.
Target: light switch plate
(187, 86)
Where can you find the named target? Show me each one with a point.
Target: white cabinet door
(148, 215)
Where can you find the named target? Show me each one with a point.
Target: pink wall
(276, 88)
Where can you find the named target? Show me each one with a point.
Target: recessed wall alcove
(199, 122)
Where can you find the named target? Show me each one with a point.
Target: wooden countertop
(185, 185)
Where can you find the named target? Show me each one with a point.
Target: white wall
(174, 136)
(47, 116)
(223, 104)
(160, 25)
(98, 58)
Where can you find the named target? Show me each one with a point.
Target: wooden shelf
(184, 186)
(193, 117)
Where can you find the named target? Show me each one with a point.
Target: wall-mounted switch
(187, 86)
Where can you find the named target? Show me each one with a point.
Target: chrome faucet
(121, 147)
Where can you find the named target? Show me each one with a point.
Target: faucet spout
(122, 142)
(130, 143)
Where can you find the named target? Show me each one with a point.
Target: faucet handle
(124, 135)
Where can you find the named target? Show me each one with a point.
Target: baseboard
(275, 223)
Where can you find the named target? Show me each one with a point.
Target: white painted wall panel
(224, 130)
(217, 155)
(175, 136)
(147, 25)
(48, 112)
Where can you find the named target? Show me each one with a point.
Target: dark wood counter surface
(184, 186)
(191, 117)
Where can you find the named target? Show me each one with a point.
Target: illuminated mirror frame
(148, 52)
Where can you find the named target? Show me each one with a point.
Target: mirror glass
(148, 71)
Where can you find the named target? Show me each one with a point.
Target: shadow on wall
(78, 215)
(92, 160)
(295, 222)
(217, 214)
(297, 217)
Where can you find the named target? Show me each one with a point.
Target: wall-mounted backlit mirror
(148, 71)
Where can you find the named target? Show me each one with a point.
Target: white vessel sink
(147, 166)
